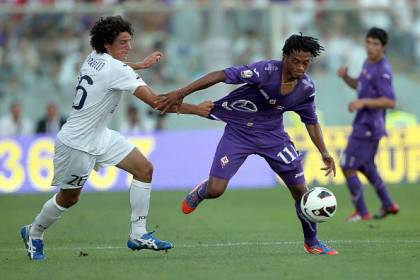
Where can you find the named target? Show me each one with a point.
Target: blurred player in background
(85, 142)
(254, 117)
(375, 94)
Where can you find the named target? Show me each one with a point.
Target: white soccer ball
(318, 205)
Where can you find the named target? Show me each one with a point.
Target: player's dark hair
(106, 30)
(302, 43)
(378, 33)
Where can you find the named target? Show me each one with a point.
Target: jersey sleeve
(384, 84)
(123, 77)
(307, 109)
(245, 74)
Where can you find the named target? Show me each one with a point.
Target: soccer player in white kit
(85, 142)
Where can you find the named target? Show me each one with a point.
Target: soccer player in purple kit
(254, 125)
(375, 94)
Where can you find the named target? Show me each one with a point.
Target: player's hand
(355, 105)
(329, 164)
(342, 72)
(204, 108)
(165, 101)
(151, 59)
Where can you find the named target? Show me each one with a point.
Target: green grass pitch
(245, 234)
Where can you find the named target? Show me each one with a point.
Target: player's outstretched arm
(148, 96)
(315, 132)
(372, 103)
(148, 62)
(203, 109)
(174, 98)
(343, 73)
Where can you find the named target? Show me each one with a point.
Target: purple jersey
(258, 104)
(375, 81)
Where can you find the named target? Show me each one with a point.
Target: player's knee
(348, 172)
(144, 173)
(73, 200)
(215, 191)
(67, 199)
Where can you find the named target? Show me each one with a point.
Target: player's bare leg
(142, 170)
(211, 188)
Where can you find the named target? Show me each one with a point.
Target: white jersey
(102, 80)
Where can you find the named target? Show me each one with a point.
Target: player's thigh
(358, 153)
(286, 162)
(71, 167)
(121, 153)
(228, 158)
(117, 150)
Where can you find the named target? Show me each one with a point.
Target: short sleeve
(245, 74)
(307, 111)
(384, 85)
(123, 77)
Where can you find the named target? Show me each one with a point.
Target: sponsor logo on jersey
(244, 105)
(225, 105)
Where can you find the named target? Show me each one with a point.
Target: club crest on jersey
(246, 74)
(224, 161)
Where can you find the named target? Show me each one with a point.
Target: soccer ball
(318, 205)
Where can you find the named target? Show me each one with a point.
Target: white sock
(49, 214)
(139, 201)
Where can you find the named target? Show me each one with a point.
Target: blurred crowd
(40, 52)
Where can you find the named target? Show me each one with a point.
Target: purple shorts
(235, 146)
(359, 154)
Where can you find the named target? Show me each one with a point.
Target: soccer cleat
(185, 208)
(191, 201)
(382, 212)
(319, 249)
(34, 247)
(355, 217)
(149, 242)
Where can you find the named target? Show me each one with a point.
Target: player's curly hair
(299, 42)
(106, 30)
(378, 33)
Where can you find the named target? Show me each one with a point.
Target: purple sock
(356, 190)
(309, 228)
(198, 195)
(380, 187)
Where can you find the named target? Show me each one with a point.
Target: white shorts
(72, 167)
